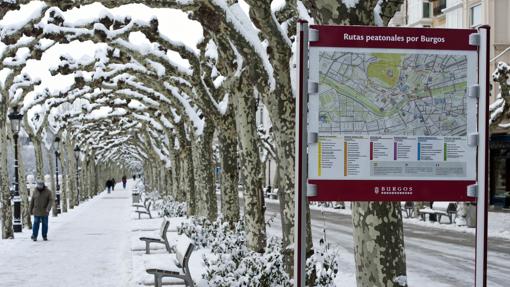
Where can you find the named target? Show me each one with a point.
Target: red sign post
(392, 114)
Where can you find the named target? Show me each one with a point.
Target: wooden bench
(408, 208)
(178, 265)
(144, 208)
(440, 209)
(163, 239)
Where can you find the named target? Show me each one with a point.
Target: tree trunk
(53, 187)
(169, 179)
(189, 180)
(176, 180)
(65, 179)
(7, 230)
(378, 243)
(203, 160)
(245, 106)
(71, 168)
(227, 137)
(39, 162)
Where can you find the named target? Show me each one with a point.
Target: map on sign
(412, 94)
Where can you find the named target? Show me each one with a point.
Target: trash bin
(471, 215)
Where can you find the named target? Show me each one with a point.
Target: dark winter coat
(41, 202)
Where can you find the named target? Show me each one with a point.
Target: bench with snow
(439, 209)
(408, 208)
(172, 266)
(144, 208)
(162, 239)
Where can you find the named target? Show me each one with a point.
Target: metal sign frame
(324, 190)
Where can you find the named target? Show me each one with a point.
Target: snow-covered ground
(97, 244)
(88, 246)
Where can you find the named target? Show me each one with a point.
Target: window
(475, 15)
(426, 9)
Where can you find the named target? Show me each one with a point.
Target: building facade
(469, 14)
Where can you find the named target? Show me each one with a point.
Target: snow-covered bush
(240, 266)
(324, 263)
(167, 206)
(204, 233)
(232, 263)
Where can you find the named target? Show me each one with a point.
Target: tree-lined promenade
(141, 100)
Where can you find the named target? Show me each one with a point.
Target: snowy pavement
(88, 246)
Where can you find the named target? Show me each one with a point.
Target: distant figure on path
(124, 181)
(108, 185)
(113, 183)
(134, 176)
(40, 206)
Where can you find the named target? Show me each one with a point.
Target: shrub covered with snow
(232, 263)
(167, 206)
(204, 233)
(325, 264)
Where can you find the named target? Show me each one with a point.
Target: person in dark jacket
(40, 206)
(124, 181)
(108, 185)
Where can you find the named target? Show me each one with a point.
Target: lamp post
(77, 157)
(15, 119)
(56, 146)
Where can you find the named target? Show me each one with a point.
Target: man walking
(40, 206)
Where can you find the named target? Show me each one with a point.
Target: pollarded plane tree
(204, 107)
(111, 138)
(16, 38)
(121, 43)
(260, 216)
(136, 90)
(98, 136)
(23, 40)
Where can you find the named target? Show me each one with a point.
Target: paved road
(435, 257)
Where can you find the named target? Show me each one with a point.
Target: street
(441, 257)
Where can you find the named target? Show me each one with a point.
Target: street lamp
(56, 146)
(77, 157)
(15, 119)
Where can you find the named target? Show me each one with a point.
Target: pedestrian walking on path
(40, 206)
(124, 181)
(108, 185)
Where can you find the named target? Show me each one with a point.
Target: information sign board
(389, 114)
